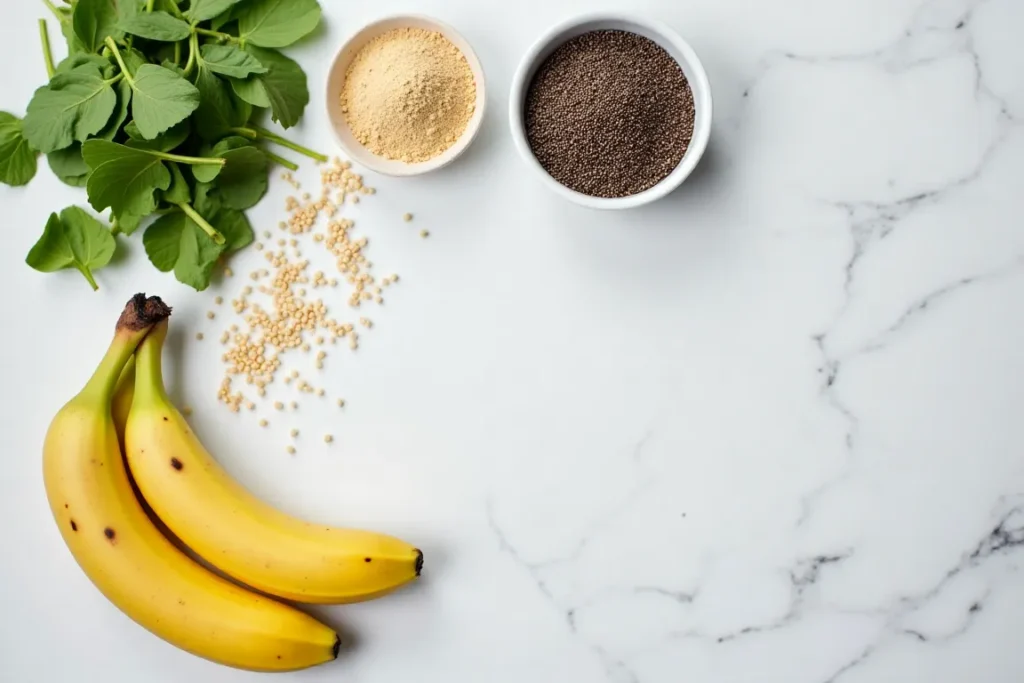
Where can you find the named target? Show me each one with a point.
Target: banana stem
(139, 315)
(149, 377)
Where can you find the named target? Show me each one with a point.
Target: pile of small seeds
(280, 308)
(609, 114)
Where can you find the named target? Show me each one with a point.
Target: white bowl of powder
(405, 95)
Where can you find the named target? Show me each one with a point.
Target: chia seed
(609, 114)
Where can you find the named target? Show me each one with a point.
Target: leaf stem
(201, 222)
(177, 52)
(84, 270)
(56, 12)
(192, 161)
(277, 139)
(149, 5)
(219, 35)
(44, 36)
(120, 62)
(115, 227)
(244, 132)
(281, 161)
(193, 48)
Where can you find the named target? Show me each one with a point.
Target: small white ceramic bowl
(336, 80)
(663, 36)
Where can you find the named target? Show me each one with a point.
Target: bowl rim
(392, 167)
(701, 133)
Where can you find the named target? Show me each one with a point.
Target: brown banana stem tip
(140, 313)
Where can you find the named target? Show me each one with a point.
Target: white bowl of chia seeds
(611, 111)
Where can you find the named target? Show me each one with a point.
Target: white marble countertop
(763, 431)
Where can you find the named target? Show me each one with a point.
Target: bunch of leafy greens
(154, 113)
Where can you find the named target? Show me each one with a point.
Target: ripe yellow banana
(231, 528)
(121, 404)
(131, 563)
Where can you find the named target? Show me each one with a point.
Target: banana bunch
(112, 536)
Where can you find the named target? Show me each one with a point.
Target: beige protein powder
(408, 95)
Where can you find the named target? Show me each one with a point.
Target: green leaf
(17, 159)
(220, 21)
(242, 181)
(126, 9)
(73, 106)
(156, 26)
(284, 85)
(113, 125)
(94, 20)
(161, 99)
(133, 59)
(128, 223)
(218, 110)
(205, 173)
(175, 242)
(277, 23)
(235, 227)
(69, 166)
(163, 241)
(207, 203)
(77, 59)
(178, 192)
(204, 10)
(251, 90)
(165, 142)
(230, 61)
(73, 240)
(123, 178)
(67, 29)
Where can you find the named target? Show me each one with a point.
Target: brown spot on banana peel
(110, 533)
(74, 527)
(176, 464)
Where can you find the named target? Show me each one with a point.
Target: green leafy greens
(155, 112)
(17, 159)
(73, 240)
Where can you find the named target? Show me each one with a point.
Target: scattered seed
(199, 336)
(407, 218)
(291, 450)
(218, 300)
(278, 405)
(210, 315)
(255, 353)
(328, 438)
(295, 433)
(263, 423)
